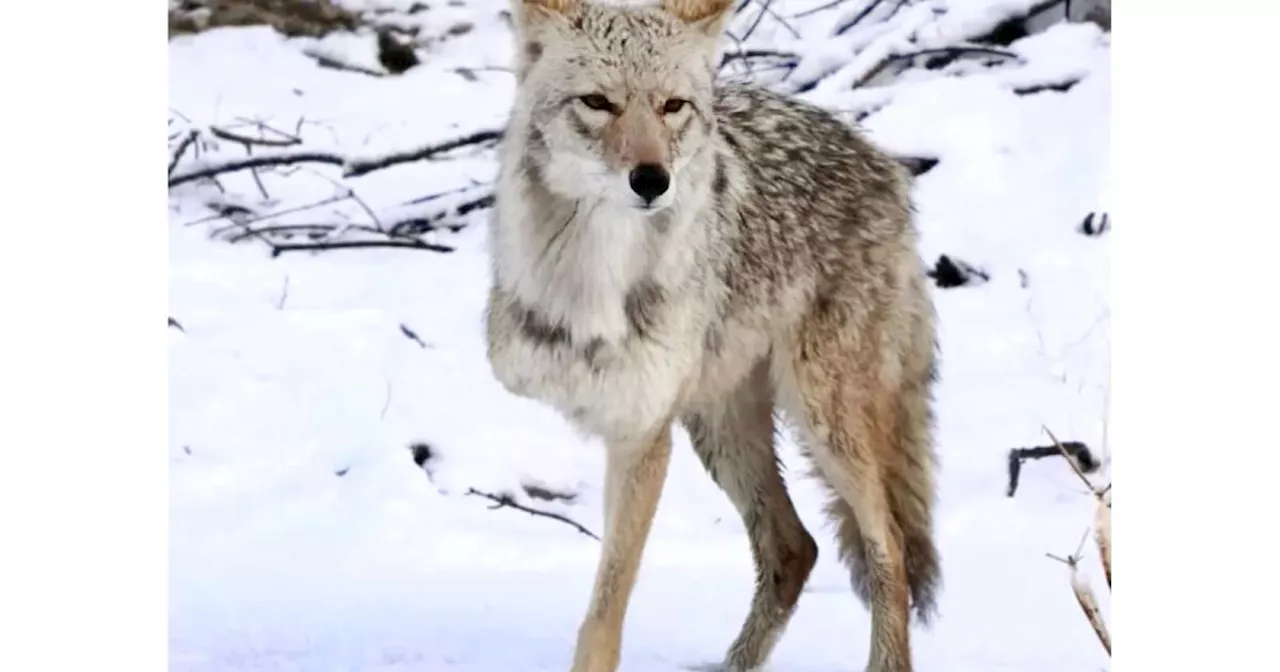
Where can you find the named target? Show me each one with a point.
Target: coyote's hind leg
(734, 438)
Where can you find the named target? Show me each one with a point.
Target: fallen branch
(953, 52)
(319, 246)
(959, 50)
(351, 166)
(505, 501)
(407, 223)
(364, 166)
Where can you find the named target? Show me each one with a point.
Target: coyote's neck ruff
(668, 251)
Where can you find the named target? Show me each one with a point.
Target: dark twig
(174, 323)
(232, 136)
(316, 231)
(182, 149)
(849, 25)
(752, 54)
(263, 128)
(386, 403)
(270, 215)
(262, 189)
(332, 63)
(782, 22)
(505, 501)
(413, 336)
(821, 8)
(1060, 87)
(284, 294)
(348, 192)
(257, 179)
(421, 223)
(358, 167)
(766, 8)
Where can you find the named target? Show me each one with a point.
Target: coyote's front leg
(633, 482)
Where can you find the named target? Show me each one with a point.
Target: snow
(304, 537)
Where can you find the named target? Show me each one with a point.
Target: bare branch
(351, 166)
(505, 501)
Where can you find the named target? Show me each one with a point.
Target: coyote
(666, 250)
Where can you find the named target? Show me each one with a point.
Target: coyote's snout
(669, 252)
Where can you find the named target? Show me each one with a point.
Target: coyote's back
(668, 251)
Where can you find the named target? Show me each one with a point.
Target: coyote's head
(615, 100)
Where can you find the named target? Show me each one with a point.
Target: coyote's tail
(909, 473)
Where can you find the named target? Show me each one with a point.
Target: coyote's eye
(596, 101)
(674, 105)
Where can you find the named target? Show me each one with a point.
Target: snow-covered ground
(303, 535)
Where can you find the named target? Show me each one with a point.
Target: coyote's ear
(708, 16)
(534, 21)
(530, 13)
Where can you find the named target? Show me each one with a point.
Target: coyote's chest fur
(609, 339)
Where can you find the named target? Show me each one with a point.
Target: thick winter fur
(776, 276)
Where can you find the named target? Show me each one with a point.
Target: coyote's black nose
(649, 181)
